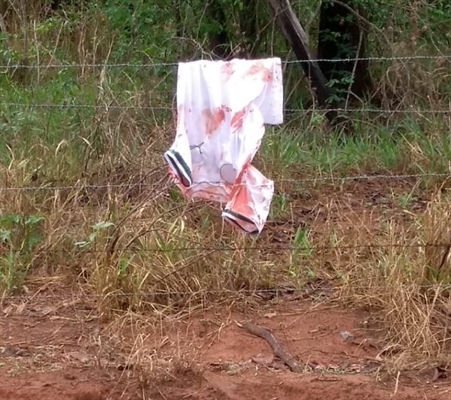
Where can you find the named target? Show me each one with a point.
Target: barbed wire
(372, 110)
(346, 178)
(393, 58)
(289, 248)
(276, 291)
(175, 64)
(287, 110)
(282, 180)
(85, 106)
(200, 250)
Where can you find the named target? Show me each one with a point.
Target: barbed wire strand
(262, 248)
(257, 291)
(287, 110)
(175, 64)
(288, 247)
(283, 180)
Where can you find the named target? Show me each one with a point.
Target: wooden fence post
(296, 36)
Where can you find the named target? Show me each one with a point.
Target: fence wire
(276, 291)
(281, 247)
(175, 64)
(336, 179)
(201, 250)
(106, 107)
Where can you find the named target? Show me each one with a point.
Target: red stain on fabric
(242, 201)
(212, 120)
(259, 68)
(227, 70)
(244, 169)
(237, 119)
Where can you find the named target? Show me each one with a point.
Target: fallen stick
(276, 347)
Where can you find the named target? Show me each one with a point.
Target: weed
(19, 235)
(96, 231)
(301, 252)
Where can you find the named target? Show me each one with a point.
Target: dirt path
(65, 352)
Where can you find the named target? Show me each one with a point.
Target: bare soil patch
(65, 352)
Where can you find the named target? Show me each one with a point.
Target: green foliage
(302, 251)
(142, 29)
(100, 229)
(19, 236)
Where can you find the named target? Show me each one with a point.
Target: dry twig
(276, 347)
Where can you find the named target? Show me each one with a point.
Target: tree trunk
(342, 35)
(297, 38)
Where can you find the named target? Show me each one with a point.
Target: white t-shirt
(222, 107)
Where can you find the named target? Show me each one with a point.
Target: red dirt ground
(64, 352)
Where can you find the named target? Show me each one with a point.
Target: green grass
(400, 148)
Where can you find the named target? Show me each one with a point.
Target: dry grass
(407, 283)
